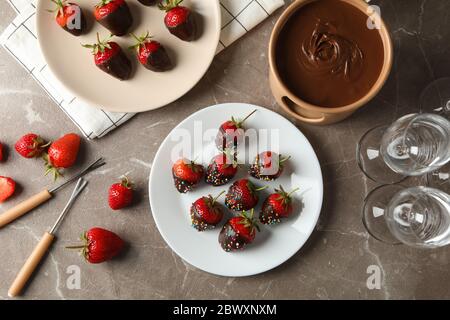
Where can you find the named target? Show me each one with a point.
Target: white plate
(274, 244)
(74, 65)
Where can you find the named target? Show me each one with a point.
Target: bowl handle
(288, 105)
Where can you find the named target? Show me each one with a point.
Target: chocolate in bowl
(325, 61)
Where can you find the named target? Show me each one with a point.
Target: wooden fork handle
(24, 207)
(30, 265)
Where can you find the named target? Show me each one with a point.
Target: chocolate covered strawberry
(231, 133)
(206, 213)
(120, 195)
(62, 153)
(179, 20)
(114, 15)
(268, 166)
(70, 17)
(222, 168)
(99, 245)
(186, 174)
(242, 195)
(278, 205)
(7, 188)
(149, 2)
(30, 145)
(109, 57)
(238, 232)
(151, 54)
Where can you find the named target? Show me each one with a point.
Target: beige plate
(74, 65)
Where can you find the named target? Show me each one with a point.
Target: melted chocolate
(230, 240)
(158, 60)
(148, 2)
(327, 56)
(185, 31)
(72, 26)
(119, 66)
(119, 21)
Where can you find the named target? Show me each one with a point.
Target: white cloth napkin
(19, 39)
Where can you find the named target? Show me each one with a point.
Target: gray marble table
(332, 265)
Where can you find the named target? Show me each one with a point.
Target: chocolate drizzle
(326, 52)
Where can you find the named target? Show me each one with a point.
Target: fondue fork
(44, 244)
(41, 197)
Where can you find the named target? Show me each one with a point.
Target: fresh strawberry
(278, 205)
(206, 213)
(238, 232)
(231, 133)
(109, 57)
(120, 195)
(114, 15)
(100, 245)
(7, 188)
(242, 195)
(151, 54)
(268, 166)
(70, 17)
(2, 153)
(221, 169)
(186, 174)
(149, 2)
(179, 20)
(62, 153)
(30, 145)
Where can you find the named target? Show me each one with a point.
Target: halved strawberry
(242, 195)
(278, 205)
(70, 17)
(206, 213)
(114, 15)
(151, 54)
(238, 232)
(109, 57)
(7, 188)
(179, 20)
(186, 174)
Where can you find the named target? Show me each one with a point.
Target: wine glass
(418, 216)
(435, 98)
(413, 145)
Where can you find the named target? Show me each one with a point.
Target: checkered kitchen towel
(19, 39)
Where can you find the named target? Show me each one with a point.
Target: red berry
(230, 133)
(100, 245)
(114, 15)
(206, 213)
(242, 195)
(179, 20)
(278, 205)
(62, 153)
(106, 7)
(30, 145)
(186, 174)
(7, 188)
(70, 17)
(151, 54)
(120, 195)
(221, 169)
(238, 232)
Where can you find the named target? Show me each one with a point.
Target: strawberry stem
(261, 188)
(217, 197)
(295, 190)
(76, 247)
(248, 116)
